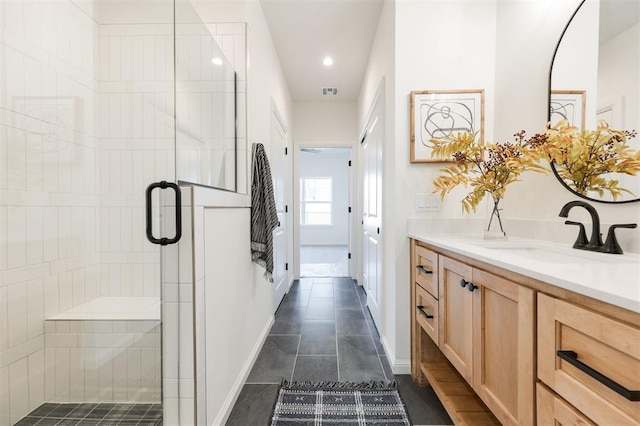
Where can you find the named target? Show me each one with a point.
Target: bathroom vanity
(522, 332)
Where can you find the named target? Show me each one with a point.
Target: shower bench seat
(113, 308)
(108, 349)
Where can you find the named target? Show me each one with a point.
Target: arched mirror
(595, 75)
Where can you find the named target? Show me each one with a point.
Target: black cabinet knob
(468, 284)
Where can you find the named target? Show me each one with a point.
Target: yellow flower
(585, 159)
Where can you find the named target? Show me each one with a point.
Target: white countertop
(611, 278)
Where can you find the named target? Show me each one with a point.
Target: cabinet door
(553, 410)
(503, 345)
(455, 308)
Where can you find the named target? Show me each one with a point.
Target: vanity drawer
(427, 313)
(583, 356)
(552, 410)
(426, 264)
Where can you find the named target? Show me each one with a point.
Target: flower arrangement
(585, 159)
(487, 167)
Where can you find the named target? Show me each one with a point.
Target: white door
(371, 145)
(278, 171)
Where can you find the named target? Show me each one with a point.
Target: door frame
(275, 114)
(367, 126)
(353, 203)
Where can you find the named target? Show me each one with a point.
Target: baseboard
(398, 366)
(234, 392)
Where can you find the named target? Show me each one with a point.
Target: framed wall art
(436, 113)
(569, 105)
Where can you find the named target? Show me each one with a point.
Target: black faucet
(595, 241)
(596, 238)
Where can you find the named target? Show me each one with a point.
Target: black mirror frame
(553, 166)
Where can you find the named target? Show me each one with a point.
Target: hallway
(323, 332)
(324, 261)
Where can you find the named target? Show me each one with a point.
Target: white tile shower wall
(178, 324)
(106, 361)
(135, 73)
(48, 185)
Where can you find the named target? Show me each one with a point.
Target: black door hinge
(349, 209)
(349, 163)
(349, 256)
(286, 151)
(286, 266)
(286, 209)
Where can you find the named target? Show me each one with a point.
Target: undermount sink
(542, 254)
(549, 255)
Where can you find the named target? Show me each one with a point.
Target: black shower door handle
(163, 241)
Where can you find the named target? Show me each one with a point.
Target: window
(315, 199)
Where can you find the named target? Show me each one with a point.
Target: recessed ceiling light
(327, 61)
(217, 61)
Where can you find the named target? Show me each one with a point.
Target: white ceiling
(305, 31)
(617, 16)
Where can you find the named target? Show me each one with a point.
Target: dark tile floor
(94, 414)
(323, 331)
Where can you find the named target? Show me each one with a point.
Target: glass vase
(494, 230)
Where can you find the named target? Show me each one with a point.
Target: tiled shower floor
(94, 414)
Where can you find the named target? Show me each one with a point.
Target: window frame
(304, 202)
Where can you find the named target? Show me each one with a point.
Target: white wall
(576, 64)
(539, 198)
(619, 84)
(333, 164)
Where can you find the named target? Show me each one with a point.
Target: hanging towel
(264, 216)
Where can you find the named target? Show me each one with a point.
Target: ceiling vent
(329, 91)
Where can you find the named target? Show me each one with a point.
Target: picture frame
(435, 113)
(570, 105)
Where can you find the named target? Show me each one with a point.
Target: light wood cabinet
(425, 269)
(502, 348)
(456, 315)
(487, 333)
(590, 360)
(555, 411)
(427, 313)
(476, 327)
(424, 283)
(428, 364)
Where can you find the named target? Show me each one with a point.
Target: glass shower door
(87, 304)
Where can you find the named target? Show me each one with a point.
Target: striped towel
(264, 216)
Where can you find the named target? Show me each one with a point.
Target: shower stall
(107, 109)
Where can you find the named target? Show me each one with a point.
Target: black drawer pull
(424, 313)
(463, 283)
(572, 358)
(423, 270)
